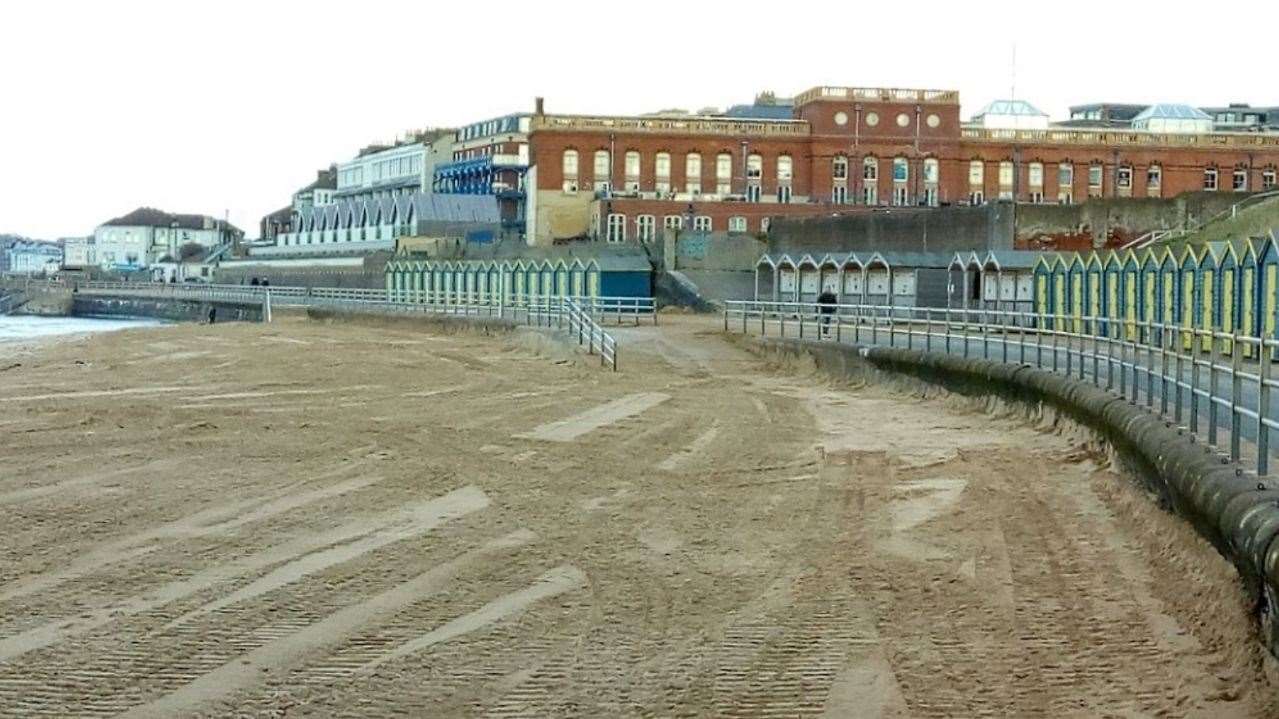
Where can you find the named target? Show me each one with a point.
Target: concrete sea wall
(176, 310)
(1237, 514)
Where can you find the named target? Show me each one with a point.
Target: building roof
(326, 179)
(151, 217)
(1011, 107)
(761, 112)
(1171, 111)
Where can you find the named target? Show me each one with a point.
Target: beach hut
(1248, 294)
(1111, 281)
(852, 281)
(766, 286)
(1208, 308)
(1149, 295)
(1188, 296)
(878, 281)
(593, 281)
(1075, 281)
(577, 278)
(1043, 283)
(809, 279)
(1130, 279)
(1267, 252)
(1013, 272)
(547, 276)
(1092, 290)
(1169, 283)
(1227, 302)
(828, 271)
(562, 279)
(787, 280)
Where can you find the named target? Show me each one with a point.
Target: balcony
(1121, 137)
(878, 94)
(672, 125)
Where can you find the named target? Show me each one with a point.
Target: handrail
(1150, 238)
(1196, 377)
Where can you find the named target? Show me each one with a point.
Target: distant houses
(147, 237)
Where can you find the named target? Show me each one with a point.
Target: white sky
(230, 105)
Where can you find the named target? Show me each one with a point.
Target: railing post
(1180, 375)
(1236, 394)
(1150, 364)
(1163, 370)
(1263, 408)
(928, 329)
(1194, 383)
(1212, 390)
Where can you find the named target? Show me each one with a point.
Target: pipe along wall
(1238, 514)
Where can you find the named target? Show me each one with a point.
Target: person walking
(826, 303)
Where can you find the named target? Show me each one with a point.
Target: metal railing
(618, 310)
(1198, 378)
(574, 316)
(589, 334)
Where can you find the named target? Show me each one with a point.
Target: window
(930, 196)
(603, 171)
(976, 173)
(870, 169)
(645, 226)
(617, 228)
(900, 195)
(1268, 180)
(901, 170)
(570, 170)
(1065, 196)
(752, 193)
(839, 194)
(693, 174)
(783, 194)
(1210, 179)
(870, 195)
(701, 223)
(839, 168)
(673, 222)
(976, 197)
(1154, 177)
(932, 171)
(1006, 174)
(724, 173)
(764, 223)
(1239, 183)
(1123, 178)
(1095, 173)
(737, 224)
(754, 167)
(1065, 175)
(784, 168)
(1035, 176)
(663, 171)
(632, 170)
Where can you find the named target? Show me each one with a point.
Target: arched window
(603, 171)
(724, 173)
(663, 171)
(870, 181)
(1154, 179)
(839, 168)
(754, 171)
(570, 170)
(785, 172)
(901, 170)
(870, 169)
(976, 173)
(1210, 178)
(693, 173)
(632, 170)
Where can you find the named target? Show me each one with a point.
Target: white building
(146, 236)
(79, 252)
(34, 258)
(380, 172)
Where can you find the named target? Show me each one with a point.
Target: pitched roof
(151, 217)
(1011, 107)
(1172, 111)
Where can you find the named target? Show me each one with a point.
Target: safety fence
(1203, 380)
(574, 316)
(617, 310)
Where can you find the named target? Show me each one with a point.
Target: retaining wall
(1238, 514)
(176, 310)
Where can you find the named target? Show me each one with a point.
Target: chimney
(537, 106)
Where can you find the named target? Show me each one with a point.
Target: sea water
(22, 327)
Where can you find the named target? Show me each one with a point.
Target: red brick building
(850, 150)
